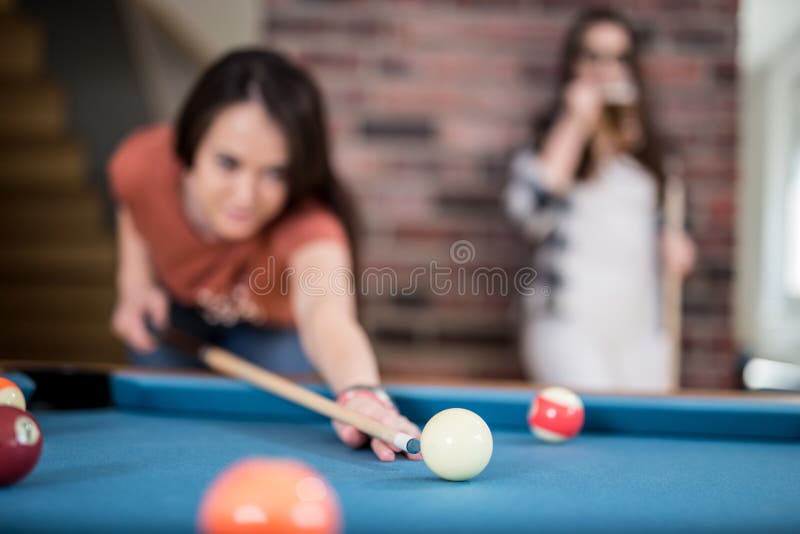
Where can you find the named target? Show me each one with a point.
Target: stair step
(81, 264)
(46, 165)
(42, 340)
(47, 219)
(31, 109)
(21, 47)
(56, 303)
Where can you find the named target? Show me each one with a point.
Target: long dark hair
(649, 152)
(291, 98)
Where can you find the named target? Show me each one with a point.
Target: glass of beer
(620, 105)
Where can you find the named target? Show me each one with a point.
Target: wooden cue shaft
(227, 363)
(674, 215)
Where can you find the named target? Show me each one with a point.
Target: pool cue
(672, 283)
(227, 363)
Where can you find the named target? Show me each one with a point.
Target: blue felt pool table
(688, 463)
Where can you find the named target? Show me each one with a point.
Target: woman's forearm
(134, 262)
(326, 319)
(338, 348)
(561, 153)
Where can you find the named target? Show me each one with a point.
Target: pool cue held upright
(227, 363)
(672, 283)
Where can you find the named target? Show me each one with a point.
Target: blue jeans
(273, 349)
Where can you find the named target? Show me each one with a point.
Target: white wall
(768, 63)
(212, 26)
(765, 27)
(172, 40)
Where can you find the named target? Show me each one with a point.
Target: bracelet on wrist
(375, 392)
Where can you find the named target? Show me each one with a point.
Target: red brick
(674, 70)
(476, 71)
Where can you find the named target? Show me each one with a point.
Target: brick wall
(427, 97)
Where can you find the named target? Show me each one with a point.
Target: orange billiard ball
(11, 395)
(264, 495)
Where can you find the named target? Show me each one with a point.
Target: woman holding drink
(588, 192)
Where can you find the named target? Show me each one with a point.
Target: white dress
(593, 322)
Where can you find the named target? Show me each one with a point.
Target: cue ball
(456, 444)
(556, 415)
(265, 495)
(20, 444)
(10, 394)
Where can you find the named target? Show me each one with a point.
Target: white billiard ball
(456, 444)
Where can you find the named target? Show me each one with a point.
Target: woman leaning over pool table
(216, 209)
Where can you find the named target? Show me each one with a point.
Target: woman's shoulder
(311, 221)
(144, 154)
(524, 163)
(145, 141)
(523, 152)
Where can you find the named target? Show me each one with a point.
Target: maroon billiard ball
(20, 444)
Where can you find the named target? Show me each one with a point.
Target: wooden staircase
(56, 251)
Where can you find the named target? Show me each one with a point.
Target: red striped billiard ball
(556, 415)
(20, 444)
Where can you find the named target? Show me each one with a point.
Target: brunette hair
(292, 99)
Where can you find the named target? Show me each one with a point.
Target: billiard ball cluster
(287, 496)
(20, 435)
(457, 443)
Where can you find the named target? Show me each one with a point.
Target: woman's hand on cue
(381, 411)
(134, 310)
